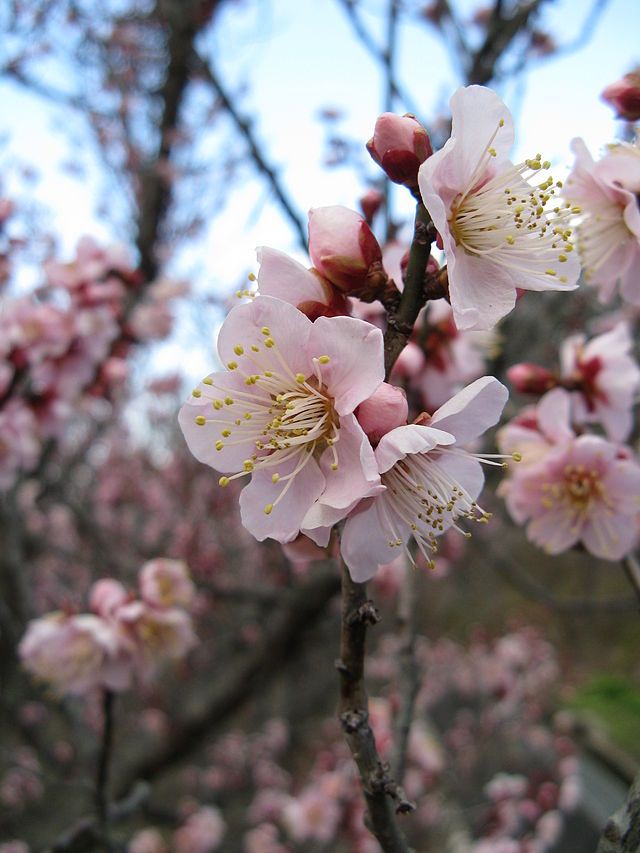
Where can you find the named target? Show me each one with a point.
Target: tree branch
(298, 223)
(380, 790)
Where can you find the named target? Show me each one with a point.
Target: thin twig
(206, 69)
(384, 797)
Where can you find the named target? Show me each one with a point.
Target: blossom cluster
(123, 638)
(575, 485)
(67, 344)
(302, 406)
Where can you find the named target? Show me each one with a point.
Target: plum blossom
(202, 832)
(430, 481)
(156, 635)
(283, 412)
(605, 378)
(586, 490)
(166, 583)
(284, 278)
(74, 653)
(496, 228)
(609, 226)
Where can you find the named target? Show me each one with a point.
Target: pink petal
(482, 292)
(357, 472)
(476, 114)
(285, 520)
(202, 439)
(473, 410)
(289, 328)
(402, 441)
(610, 537)
(284, 278)
(365, 544)
(356, 359)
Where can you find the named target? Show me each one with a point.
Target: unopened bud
(385, 410)
(399, 146)
(624, 96)
(370, 204)
(531, 378)
(342, 247)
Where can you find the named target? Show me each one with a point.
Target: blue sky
(299, 57)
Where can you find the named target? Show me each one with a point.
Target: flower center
(601, 232)
(514, 222)
(421, 494)
(281, 417)
(577, 491)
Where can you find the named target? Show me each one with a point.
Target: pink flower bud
(342, 246)
(399, 146)
(370, 203)
(385, 410)
(106, 596)
(531, 378)
(624, 96)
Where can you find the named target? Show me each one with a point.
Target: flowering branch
(379, 788)
(414, 296)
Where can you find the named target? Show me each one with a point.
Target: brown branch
(384, 798)
(155, 191)
(298, 223)
(400, 323)
(632, 571)
(501, 33)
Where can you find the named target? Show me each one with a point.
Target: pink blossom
(74, 653)
(202, 832)
(386, 409)
(430, 482)
(605, 378)
(312, 816)
(399, 146)
(535, 432)
(609, 224)
(624, 96)
(19, 441)
(166, 583)
(343, 247)
(263, 839)
(496, 234)
(284, 278)
(531, 378)
(586, 492)
(370, 203)
(147, 841)
(283, 411)
(107, 595)
(157, 635)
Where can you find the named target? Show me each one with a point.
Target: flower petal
(288, 327)
(365, 544)
(473, 410)
(356, 359)
(284, 278)
(284, 521)
(403, 440)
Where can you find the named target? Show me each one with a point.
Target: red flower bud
(399, 146)
(624, 96)
(531, 379)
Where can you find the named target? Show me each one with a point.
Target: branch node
(353, 721)
(366, 614)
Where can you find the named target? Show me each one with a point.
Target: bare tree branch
(243, 125)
